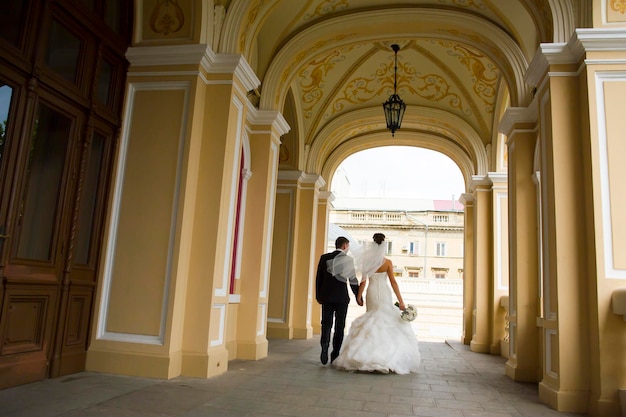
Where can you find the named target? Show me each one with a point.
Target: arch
(366, 128)
(495, 43)
(563, 20)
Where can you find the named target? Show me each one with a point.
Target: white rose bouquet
(409, 314)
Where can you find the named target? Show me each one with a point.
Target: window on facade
(414, 248)
(441, 218)
(440, 274)
(389, 247)
(414, 274)
(441, 249)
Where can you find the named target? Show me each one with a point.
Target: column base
(519, 374)
(279, 331)
(202, 365)
(480, 347)
(566, 401)
(504, 349)
(305, 333)
(252, 350)
(134, 364)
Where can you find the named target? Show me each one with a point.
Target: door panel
(62, 78)
(27, 318)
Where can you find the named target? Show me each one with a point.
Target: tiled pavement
(454, 382)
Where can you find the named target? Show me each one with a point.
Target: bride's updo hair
(379, 238)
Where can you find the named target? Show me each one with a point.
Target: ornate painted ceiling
(329, 64)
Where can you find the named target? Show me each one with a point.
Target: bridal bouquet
(409, 314)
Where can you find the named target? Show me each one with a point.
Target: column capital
(466, 199)
(199, 54)
(498, 179)
(519, 119)
(584, 40)
(272, 118)
(301, 179)
(480, 181)
(326, 197)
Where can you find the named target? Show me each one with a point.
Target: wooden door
(62, 74)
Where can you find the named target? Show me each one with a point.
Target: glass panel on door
(86, 212)
(63, 51)
(5, 102)
(43, 179)
(11, 16)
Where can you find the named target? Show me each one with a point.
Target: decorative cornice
(480, 181)
(584, 40)
(326, 197)
(466, 199)
(601, 39)
(269, 117)
(313, 179)
(197, 54)
(498, 178)
(515, 116)
(165, 55)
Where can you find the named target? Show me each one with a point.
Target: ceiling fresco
(459, 60)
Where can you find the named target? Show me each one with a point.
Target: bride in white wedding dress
(379, 340)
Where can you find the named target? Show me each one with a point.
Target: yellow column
(567, 310)
(483, 267)
(607, 95)
(500, 279)
(279, 316)
(304, 261)
(264, 137)
(520, 127)
(223, 111)
(468, 268)
(163, 291)
(323, 212)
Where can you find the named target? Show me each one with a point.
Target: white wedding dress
(379, 340)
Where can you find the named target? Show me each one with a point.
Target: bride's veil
(367, 259)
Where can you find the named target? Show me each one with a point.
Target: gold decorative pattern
(312, 78)
(326, 7)
(618, 6)
(430, 87)
(484, 85)
(300, 56)
(167, 17)
(251, 19)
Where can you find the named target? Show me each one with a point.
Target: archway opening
(411, 195)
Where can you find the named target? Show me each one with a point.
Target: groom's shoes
(333, 356)
(324, 356)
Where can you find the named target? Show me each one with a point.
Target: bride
(379, 340)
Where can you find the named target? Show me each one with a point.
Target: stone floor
(291, 381)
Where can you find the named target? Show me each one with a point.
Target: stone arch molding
(455, 26)
(422, 127)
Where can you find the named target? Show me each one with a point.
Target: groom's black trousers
(339, 311)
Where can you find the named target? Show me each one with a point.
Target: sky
(400, 172)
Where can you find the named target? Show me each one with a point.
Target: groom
(333, 271)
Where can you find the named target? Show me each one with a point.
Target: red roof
(446, 205)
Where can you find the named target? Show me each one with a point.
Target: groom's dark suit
(332, 294)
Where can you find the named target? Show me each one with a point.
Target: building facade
(421, 244)
(166, 169)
